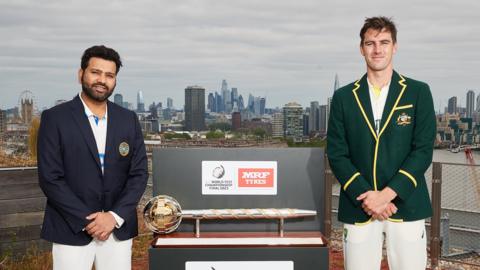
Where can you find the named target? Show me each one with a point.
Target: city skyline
(472, 101)
(167, 46)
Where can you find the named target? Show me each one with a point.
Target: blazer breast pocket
(403, 116)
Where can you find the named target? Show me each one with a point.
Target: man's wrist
(119, 221)
(389, 194)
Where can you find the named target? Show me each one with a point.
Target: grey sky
(286, 50)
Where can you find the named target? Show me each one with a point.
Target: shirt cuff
(118, 219)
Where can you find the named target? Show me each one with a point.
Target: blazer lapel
(395, 92)
(78, 112)
(362, 96)
(110, 144)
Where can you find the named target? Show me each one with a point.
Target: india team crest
(124, 149)
(404, 119)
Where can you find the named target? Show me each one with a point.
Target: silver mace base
(281, 224)
(280, 214)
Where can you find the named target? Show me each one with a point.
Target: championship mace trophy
(163, 214)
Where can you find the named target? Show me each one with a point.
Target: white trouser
(406, 245)
(107, 255)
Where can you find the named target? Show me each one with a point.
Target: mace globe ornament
(162, 214)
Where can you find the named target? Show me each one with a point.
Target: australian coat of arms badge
(404, 119)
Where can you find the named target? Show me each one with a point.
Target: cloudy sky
(285, 50)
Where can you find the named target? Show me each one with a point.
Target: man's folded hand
(101, 225)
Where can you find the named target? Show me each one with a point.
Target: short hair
(379, 23)
(103, 52)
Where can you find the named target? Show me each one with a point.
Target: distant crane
(469, 156)
(470, 160)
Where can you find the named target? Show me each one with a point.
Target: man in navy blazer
(92, 167)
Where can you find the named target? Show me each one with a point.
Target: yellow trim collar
(357, 85)
(350, 181)
(409, 177)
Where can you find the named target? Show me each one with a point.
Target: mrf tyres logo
(255, 177)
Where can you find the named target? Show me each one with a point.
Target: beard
(88, 90)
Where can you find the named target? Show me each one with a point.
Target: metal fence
(454, 229)
(460, 210)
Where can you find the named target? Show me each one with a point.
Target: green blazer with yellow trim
(396, 156)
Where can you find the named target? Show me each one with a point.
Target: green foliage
(238, 135)
(215, 135)
(173, 136)
(260, 133)
(32, 137)
(220, 126)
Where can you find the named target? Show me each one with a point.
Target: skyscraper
(194, 108)
(227, 101)
(452, 105)
(336, 85)
(256, 106)
(250, 103)
(118, 99)
(241, 105)
(153, 109)
(306, 123)
(277, 125)
(3, 122)
(234, 96)
(140, 102)
(478, 104)
(224, 85)
(293, 121)
(314, 117)
(470, 103)
(329, 102)
(219, 101)
(227, 97)
(211, 104)
(322, 119)
(263, 101)
(169, 103)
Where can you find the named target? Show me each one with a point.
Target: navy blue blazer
(71, 177)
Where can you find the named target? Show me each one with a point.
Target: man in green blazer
(380, 143)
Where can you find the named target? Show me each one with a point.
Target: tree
(260, 133)
(215, 135)
(32, 137)
(220, 126)
(171, 136)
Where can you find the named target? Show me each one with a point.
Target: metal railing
(454, 228)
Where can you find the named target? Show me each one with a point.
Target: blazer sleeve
(51, 175)
(133, 190)
(405, 181)
(352, 182)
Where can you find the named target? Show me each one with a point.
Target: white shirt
(378, 103)
(99, 128)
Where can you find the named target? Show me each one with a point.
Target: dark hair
(379, 23)
(103, 52)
